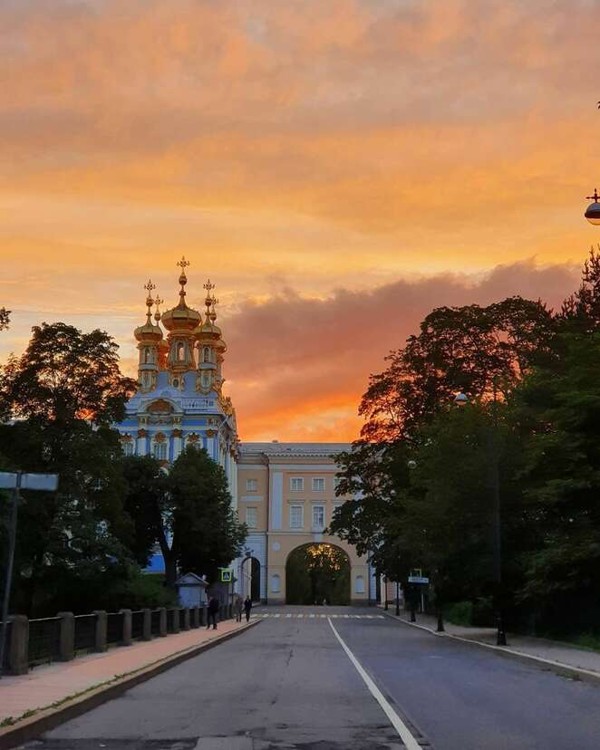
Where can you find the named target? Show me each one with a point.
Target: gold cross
(183, 263)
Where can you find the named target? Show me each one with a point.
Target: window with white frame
(159, 451)
(275, 583)
(251, 485)
(318, 517)
(297, 484)
(296, 516)
(318, 484)
(251, 518)
(128, 448)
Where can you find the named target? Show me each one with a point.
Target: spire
(149, 331)
(150, 287)
(183, 264)
(158, 302)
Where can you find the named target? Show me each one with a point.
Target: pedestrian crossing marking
(299, 616)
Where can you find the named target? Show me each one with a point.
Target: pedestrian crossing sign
(226, 576)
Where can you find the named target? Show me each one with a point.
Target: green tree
(206, 533)
(188, 512)
(63, 392)
(65, 375)
(560, 411)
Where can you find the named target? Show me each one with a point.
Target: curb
(563, 670)
(47, 718)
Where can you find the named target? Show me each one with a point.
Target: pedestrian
(247, 607)
(212, 611)
(238, 606)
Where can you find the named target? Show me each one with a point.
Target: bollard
(18, 646)
(186, 619)
(176, 620)
(67, 636)
(195, 617)
(100, 639)
(202, 616)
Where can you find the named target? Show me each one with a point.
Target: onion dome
(181, 317)
(163, 347)
(149, 332)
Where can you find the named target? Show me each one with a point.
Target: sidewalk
(46, 686)
(555, 654)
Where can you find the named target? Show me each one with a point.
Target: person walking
(238, 607)
(247, 607)
(212, 611)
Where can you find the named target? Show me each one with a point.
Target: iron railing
(85, 633)
(44, 641)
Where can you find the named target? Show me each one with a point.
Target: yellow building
(286, 497)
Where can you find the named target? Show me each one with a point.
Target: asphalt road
(289, 683)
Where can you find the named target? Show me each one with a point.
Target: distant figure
(247, 607)
(212, 612)
(238, 607)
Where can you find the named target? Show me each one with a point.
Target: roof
(275, 448)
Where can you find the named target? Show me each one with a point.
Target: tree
(63, 392)
(559, 407)
(65, 375)
(206, 532)
(485, 351)
(4, 318)
(188, 512)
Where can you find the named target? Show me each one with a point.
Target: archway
(317, 574)
(251, 578)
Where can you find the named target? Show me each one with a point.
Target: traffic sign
(418, 579)
(226, 575)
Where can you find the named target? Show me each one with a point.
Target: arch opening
(317, 574)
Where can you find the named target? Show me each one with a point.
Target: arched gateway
(318, 574)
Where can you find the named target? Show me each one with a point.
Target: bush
(459, 613)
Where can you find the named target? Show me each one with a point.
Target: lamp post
(494, 480)
(592, 212)
(16, 481)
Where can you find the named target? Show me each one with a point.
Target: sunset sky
(336, 167)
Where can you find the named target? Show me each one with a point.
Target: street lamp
(592, 212)
(461, 400)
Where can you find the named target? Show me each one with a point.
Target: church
(283, 492)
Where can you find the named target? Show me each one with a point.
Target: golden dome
(181, 317)
(148, 333)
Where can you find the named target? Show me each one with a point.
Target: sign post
(16, 481)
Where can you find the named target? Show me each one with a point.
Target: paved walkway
(46, 685)
(555, 653)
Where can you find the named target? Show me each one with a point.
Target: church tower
(179, 401)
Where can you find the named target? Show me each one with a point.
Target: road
(328, 678)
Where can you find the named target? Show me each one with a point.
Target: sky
(337, 169)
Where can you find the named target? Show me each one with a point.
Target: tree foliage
(65, 375)
(4, 318)
(188, 512)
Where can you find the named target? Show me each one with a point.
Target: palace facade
(284, 492)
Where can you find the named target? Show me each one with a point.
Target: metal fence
(85, 633)
(171, 620)
(137, 625)
(114, 628)
(44, 641)
(155, 622)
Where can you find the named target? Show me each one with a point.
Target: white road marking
(288, 616)
(405, 734)
(299, 616)
(311, 616)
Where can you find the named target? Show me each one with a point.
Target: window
(251, 485)
(296, 516)
(180, 352)
(318, 484)
(275, 583)
(159, 451)
(251, 518)
(128, 448)
(206, 354)
(359, 586)
(296, 484)
(318, 517)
